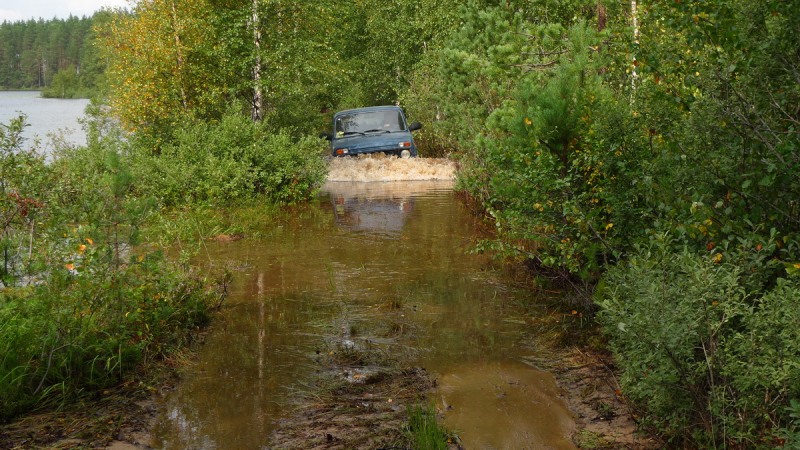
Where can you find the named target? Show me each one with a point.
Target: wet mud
(603, 417)
(359, 399)
(506, 404)
(120, 419)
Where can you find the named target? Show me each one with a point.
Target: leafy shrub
(712, 363)
(79, 309)
(66, 83)
(792, 432)
(234, 158)
(87, 327)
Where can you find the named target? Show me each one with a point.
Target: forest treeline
(643, 153)
(57, 56)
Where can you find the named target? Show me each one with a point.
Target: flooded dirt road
(382, 265)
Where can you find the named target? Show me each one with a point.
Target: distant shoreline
(41, 96)
(2, 89)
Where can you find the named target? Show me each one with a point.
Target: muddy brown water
(370, 264)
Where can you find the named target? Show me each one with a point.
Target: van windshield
(369, 122)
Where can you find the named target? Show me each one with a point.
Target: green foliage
(66, 84)
(172, 62)
(551, 173)
(381, 42)
(88, 327)
(81, 307)
(792, 432)
(34, 52)
(235, 158)
(548, 127)
(709, 361)
(424, 431)
(476, 65)
(716, 93)
(586, 146)
(713, 94)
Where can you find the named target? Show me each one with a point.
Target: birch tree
(159, 66)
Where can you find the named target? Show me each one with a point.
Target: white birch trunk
(258, 101)
(179, 55)
(635, 22)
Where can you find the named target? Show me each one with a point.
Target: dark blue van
(372, 130)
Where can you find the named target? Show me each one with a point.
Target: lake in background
(45, 115)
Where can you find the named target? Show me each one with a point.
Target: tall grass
(87, 328)
(424, 432)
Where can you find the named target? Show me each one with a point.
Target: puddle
(376, 263)
(505, 405)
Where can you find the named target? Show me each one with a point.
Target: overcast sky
(14, 10)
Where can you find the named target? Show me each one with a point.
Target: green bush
(792, 432)
(87, 327)
(712, 363)
(234, 158)
(80, 305)
(67, 83)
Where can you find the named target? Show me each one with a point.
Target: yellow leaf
(528, 121)
(81, 248)
(91, 242)
(141, 257)
(69, 266)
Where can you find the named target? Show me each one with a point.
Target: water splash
(379, 167)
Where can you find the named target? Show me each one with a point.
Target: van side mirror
(326, 136)
(415, 126)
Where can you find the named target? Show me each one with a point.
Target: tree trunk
(179, 55)
(635, 23)
(601, 16)
(256, 112)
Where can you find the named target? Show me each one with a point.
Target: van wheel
(405, 154)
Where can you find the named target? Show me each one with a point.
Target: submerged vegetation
(643, 154)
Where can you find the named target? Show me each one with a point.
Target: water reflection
(377, 261)
(379, 208)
